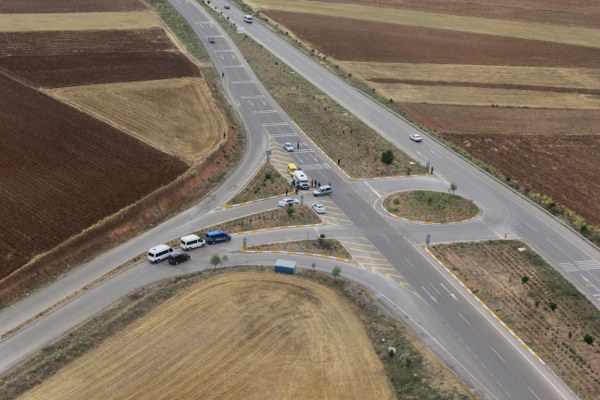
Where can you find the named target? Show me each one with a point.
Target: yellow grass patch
(78, 21)
(581, 78)
(177, 116)
(236, 336)
(485, 97)
(516, 29)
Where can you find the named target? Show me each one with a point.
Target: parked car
(323, 190)
(288, 201)
(177, 258)
(415, 137)
(190, 242)
(213, 237)
(288, 147)
(319, 208)
(226, 6)
(211, 39)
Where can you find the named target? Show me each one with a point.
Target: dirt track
(245, 335)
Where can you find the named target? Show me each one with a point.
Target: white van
(248, 18)
(159, 253)
(300, 180)
(190, 242)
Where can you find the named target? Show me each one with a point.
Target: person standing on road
(286, 192)
(298, 145)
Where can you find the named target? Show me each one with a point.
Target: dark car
(177, 258)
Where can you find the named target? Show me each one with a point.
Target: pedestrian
(286, 192)
(296, 189)
(339, 162)
(298, 145)
(222, 74)
(432, 170)
(318, 184)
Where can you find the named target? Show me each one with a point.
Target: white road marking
(499, 356)
(464, 319)
(429, 294)
(451, 295)
(374, 191)
(533, 393)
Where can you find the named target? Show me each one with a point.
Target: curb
(253, 201)
(296, 253)
(276, 228)
(533, 353)
(414, 221)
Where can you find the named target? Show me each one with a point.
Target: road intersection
(389, 256)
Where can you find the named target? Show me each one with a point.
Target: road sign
(428, 239)
(427, 164)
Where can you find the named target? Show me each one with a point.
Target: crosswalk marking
(583, 265)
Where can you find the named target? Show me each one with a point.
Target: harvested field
(177, 116)
(381, 42)
(76, 42)
(94, 68)
(499, 75)
(492, 27)
(78, 21)
(547, 312)
(563, 167)
(56, 180)
(237, 336)
(571, 13)
(64, 6)
(481, 96)
(505, 121)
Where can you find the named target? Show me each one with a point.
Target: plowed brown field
(349, 39)
(510, 121)
(78, 58)
(54, 6)
(62, 171)
(571, 13)
(563, 167)
(236, 336)
(54, 43)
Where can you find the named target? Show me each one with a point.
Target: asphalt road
(457, 328)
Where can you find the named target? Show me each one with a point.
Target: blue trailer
(285, 267)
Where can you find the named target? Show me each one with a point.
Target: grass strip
(266, 183)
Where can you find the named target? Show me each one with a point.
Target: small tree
(453, 187)
(215, 260)
(336, 271)
(408, 169)
(524, 280)
(290, 210)
(224, 259)
(387, 157)
(553, 306)
(589, 339)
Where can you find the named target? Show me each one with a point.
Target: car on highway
(415, 137)
(177, 258)
(226, 6)
(288, 201)
(288, 147)
(323, 190)
(211, 39)
(319, 208)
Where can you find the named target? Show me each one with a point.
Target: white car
(415, 137)
(226, 6)
(319, 208)
(288, 147)
(288, 201)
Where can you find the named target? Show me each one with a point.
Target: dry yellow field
(580, 78)
(78, 21)
(236, 336)
(177, 116)
(515, 29)
(486, 97)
